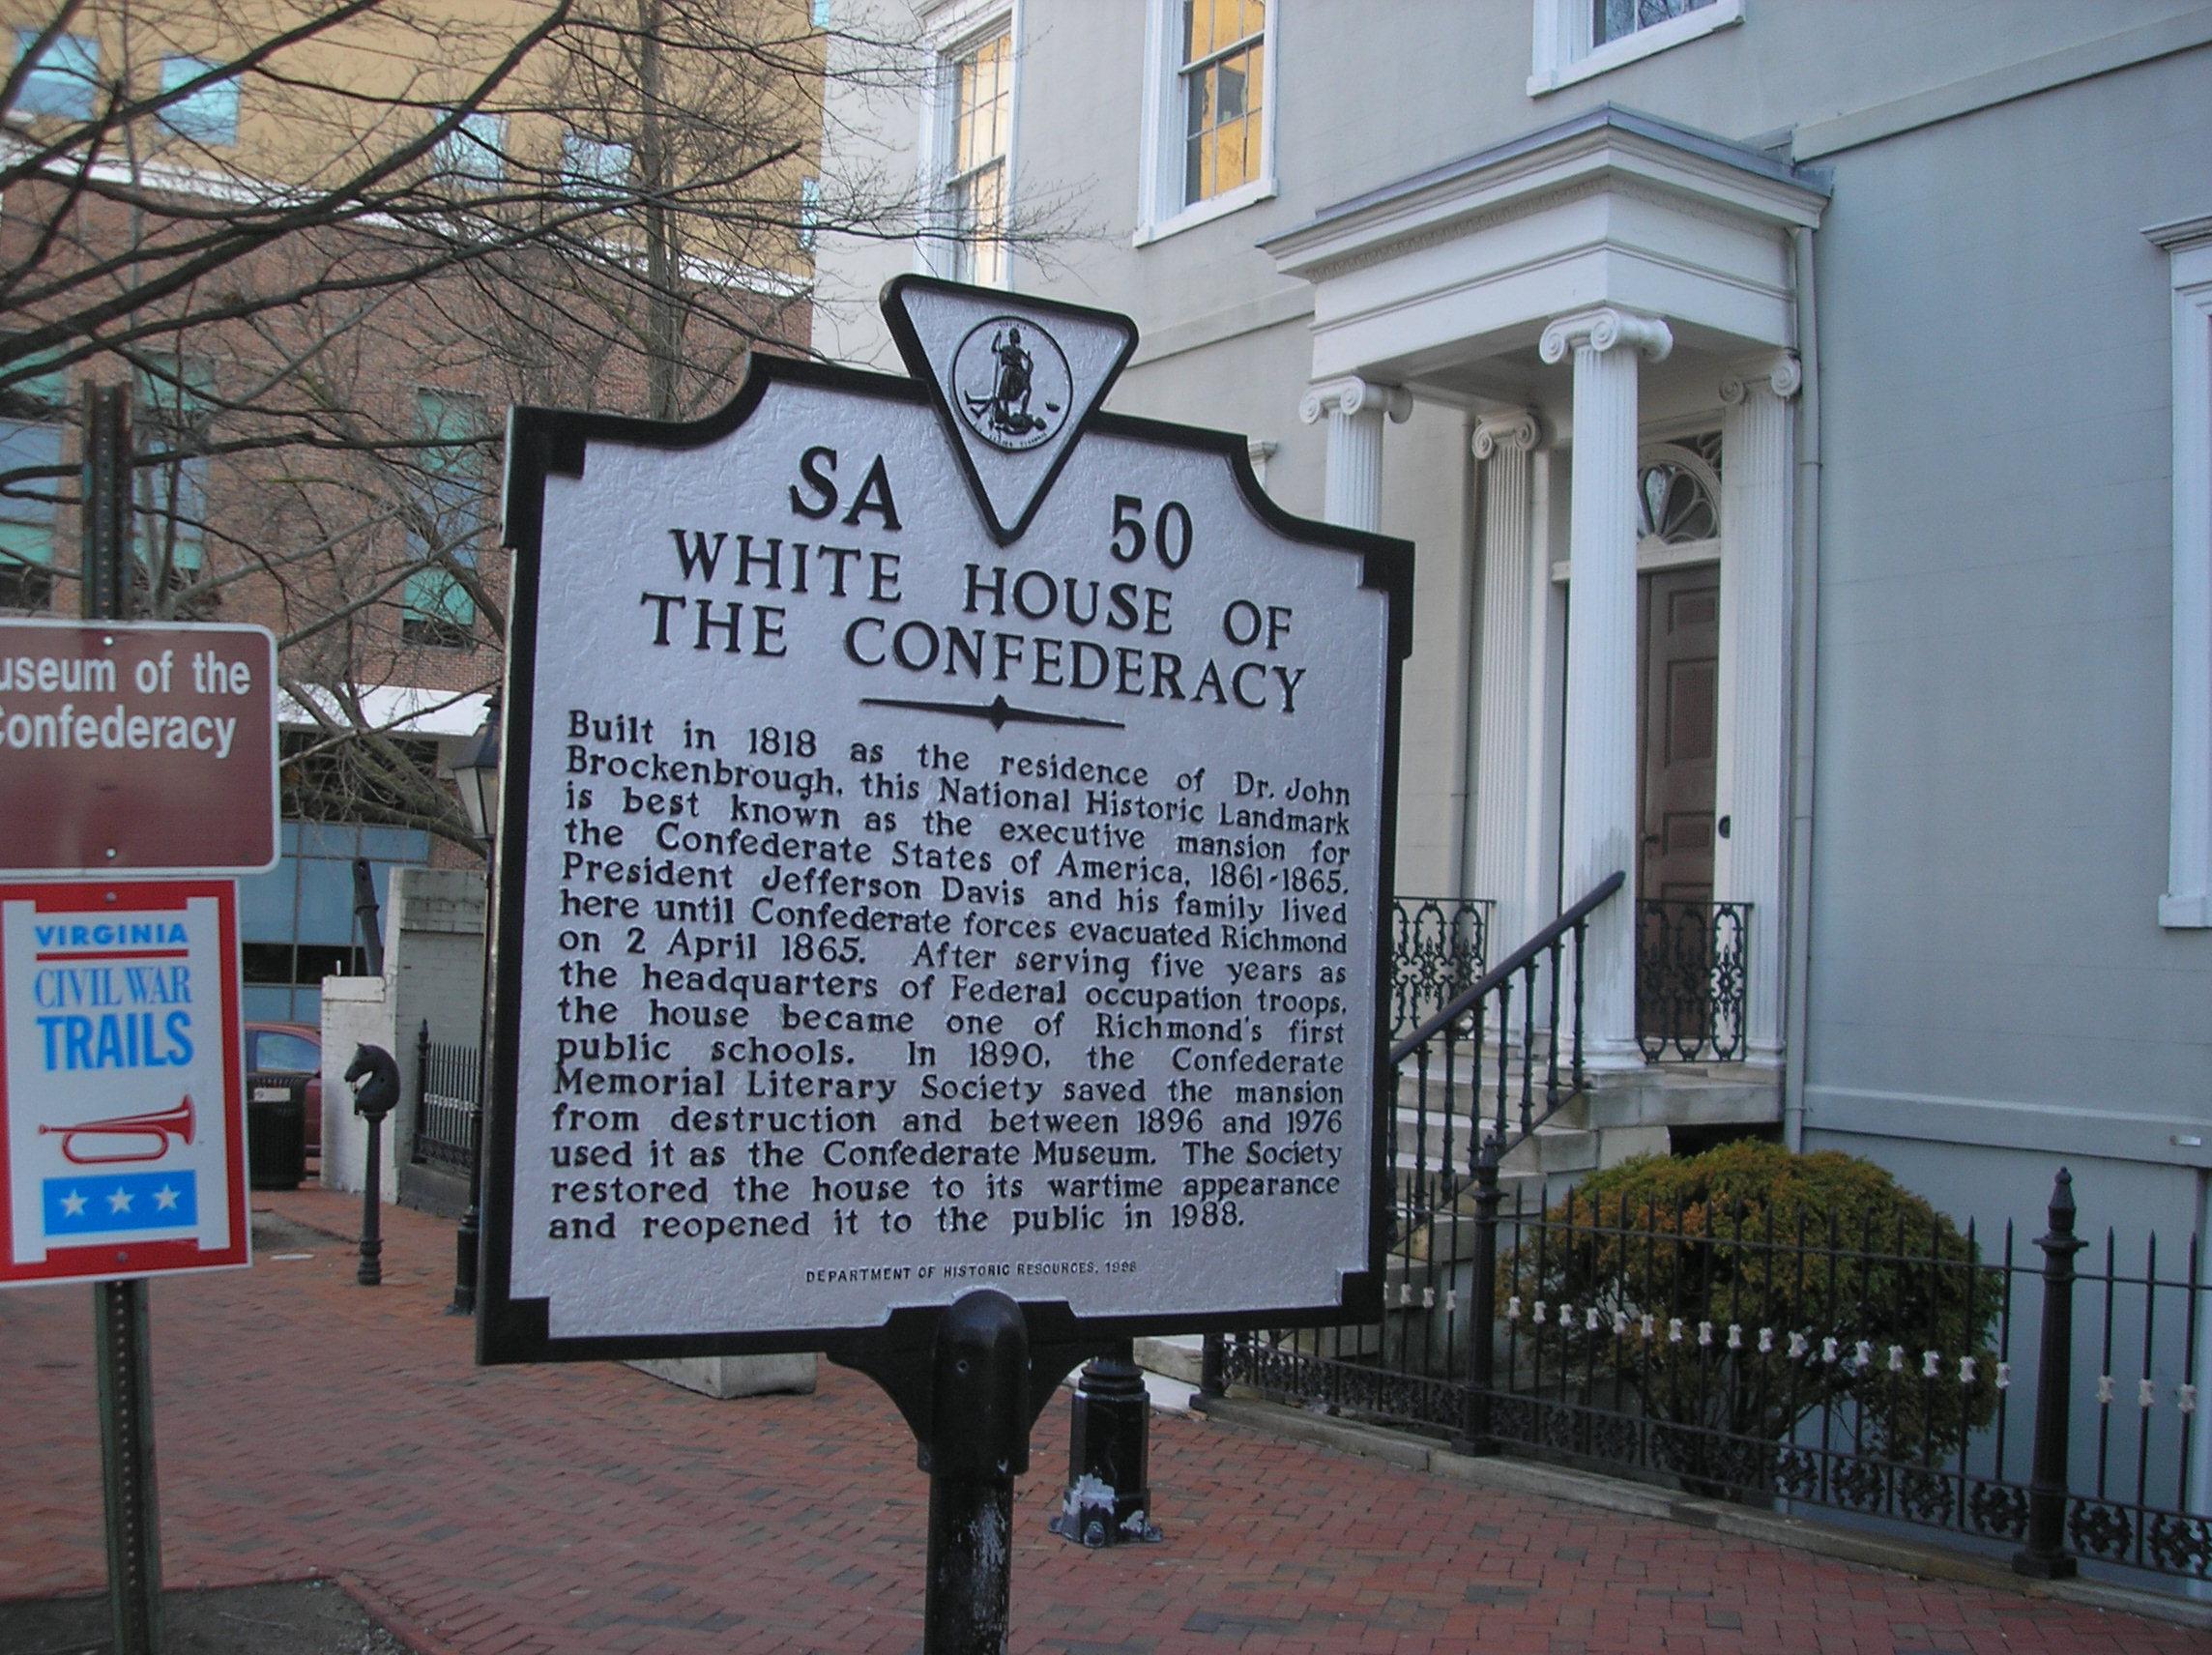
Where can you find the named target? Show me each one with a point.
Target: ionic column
(1598, 830)
(1503, 443)
(1352, 480)
(1751, 781)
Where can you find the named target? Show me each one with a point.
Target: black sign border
(544, 442)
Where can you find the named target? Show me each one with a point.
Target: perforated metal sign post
(945, 836)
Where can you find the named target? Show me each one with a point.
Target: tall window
(207, 114)
(1223, 69)
(809, 213)
(1617, 20)
(31, 411)
(1209, 125)
(594, 167)
(474, 153)
(169, 521)
(64, 80)
(448, 516)
(980, 87)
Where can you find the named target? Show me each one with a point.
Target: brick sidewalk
(305, 1424)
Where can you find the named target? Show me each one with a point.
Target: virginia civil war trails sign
(946, 841)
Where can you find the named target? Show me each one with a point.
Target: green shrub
(1746, 1240)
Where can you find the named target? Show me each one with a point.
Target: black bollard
(373, 1098)
(1109, 1495)
(978, 1442)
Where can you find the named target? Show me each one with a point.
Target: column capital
(1778, 368)
(1513, 429)
(1604, 327)
(1352, 394)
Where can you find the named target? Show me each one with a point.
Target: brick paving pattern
(306, 1426)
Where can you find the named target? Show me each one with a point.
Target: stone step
(1177, 1356)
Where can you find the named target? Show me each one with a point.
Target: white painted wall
(433, 971)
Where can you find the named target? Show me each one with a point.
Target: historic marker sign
(122, 1147)
(137, 748)
(945, 847)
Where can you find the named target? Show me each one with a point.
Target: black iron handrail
(1519, 959)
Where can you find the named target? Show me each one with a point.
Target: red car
(288, 1049)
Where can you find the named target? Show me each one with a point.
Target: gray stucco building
(1827, 384)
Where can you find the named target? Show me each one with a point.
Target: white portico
(1612, 302)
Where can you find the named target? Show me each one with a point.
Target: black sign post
(941, 913)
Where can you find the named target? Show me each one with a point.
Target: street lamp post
(477, 774)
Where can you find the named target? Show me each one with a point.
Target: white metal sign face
(121, 1144)
(887, 911)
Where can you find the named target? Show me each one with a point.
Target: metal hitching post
(1482, 1309)
(978, 1442)
(1108, 1495)
(2045, 1556)
(373, 1099)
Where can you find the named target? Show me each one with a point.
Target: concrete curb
(1636, 1499)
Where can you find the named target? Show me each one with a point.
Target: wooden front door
(1679, 613)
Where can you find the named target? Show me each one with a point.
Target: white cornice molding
(1514, 429)
(1517, 177)
(1352, 394)
(1779, 369)
(1604, 327)
(2180, 233)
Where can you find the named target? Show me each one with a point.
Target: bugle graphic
(156, 1127)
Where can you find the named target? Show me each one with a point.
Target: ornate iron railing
(1983, 1385)
(445, 1115)
(1690, 962)
(1438, 947)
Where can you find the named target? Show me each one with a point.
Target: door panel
(1679, 613)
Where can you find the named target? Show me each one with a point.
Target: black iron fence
(444, 1103)
(1690, 980)
(1438, 947)
(1486, 1069)
(1990, 1386)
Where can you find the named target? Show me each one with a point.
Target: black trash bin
(276, 1131)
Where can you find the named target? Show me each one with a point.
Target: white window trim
(1562, 52)
(1160, 212)
(953, 30)
(2188, 900)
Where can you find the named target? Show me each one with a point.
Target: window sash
(1222, 151)
(1221, 49)
(973, 191)
(976, 208)
(475, 151)
(169, 512)
(208, 116)
(593, 165)
(437, 603)
(63, 79)
(451, 490)
(1220, 36)
(809, 211)
(1617, 20)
